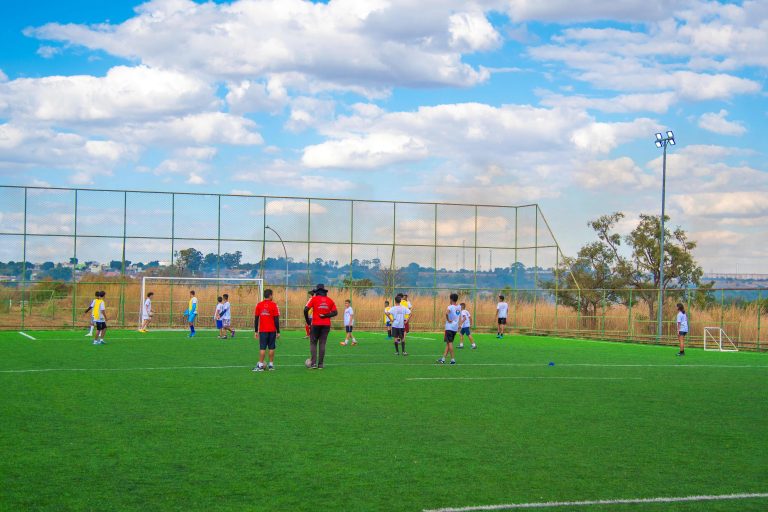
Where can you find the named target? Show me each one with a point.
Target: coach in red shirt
(266, 323)
(323, 309)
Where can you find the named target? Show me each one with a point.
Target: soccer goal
(171, 298)
(715, 339)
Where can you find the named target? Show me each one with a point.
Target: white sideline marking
(524, 378)
(628, 501)
(407, 336)
(27, 335)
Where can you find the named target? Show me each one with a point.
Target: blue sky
(493, 101)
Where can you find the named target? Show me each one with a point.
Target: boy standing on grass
(682, 327)
(217, 317)
(146, 313)
(226, 316)
(191, 313)
(465, 321)
(387, 319)
(349, 323)
(501, 316)
(99, 314)
(452, 314)
(266, 324)
(90, 317)
(397, 313)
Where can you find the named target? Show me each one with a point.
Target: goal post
(171, 297)
(716, 339)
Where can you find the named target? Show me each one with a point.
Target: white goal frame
(718, 340)
(223, 280)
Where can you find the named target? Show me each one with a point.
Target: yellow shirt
(406, 304)
(387, 317)
(96, 311)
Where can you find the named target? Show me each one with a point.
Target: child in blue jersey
(452, 314)
(191, 313)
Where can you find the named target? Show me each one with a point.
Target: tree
(640, 270)
(231, 260)
(189, 259)
(360, 286)
(115, 265)
(48, 265)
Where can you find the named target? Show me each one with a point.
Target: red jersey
(266, 310)
(321, 305)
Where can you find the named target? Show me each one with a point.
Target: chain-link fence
(58, 246)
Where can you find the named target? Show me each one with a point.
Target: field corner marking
(27, 335)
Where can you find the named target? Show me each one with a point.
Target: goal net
(715, 339)
(171, 296)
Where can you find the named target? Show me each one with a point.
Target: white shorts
(145, 317)
(226, 322)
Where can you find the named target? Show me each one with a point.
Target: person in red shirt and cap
(323, 309)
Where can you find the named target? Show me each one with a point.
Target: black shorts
(449, 336)
(398, 332)
(267, 340)
(348, 328)
(682, 333)
(100, 326)
(502, 321)
(319, 333)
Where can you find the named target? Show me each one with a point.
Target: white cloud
(621, 173)
(568, 11)
(345, 42)
(251, 96)
(48, 52)
(124, 94)
(658, 103)
(369, 152)
(3, 76)
(724, 204)
(717, 123)
(202, 128)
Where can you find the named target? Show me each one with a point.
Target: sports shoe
(191, 335)
(343, 343)
(222, 337)
(88, 335)
(474, 346)
(440, 361)
(397, 353)
(680, 354)
(354, 342)
(461, 345)
(233, 334)
(405, 353)
(258, 368)
(453, 361)
(271, 367)
(95, 342)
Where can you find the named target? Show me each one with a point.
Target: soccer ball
(308, 362)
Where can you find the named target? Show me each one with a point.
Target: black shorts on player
(502, 321)
(100, 326)
(348, 328)
(267, 340)
(682, 333)
(398, 332)
(449, 336)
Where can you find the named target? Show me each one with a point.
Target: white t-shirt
(348, 313)
(147, 309)
(452, 323)
(465, 319)
(226, 313)
(398, 316)
(501, 309)
(682, 319)
(97, 314)
(219, 309)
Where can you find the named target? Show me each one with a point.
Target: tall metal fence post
(759, 313)
(516, 262)
(74, 267)
(23, 304)
(535, 265)
(603, 319)
(122, 267)
(630, 331)
(173, 254)
(434, 281)
(474, 271)
(309, 240)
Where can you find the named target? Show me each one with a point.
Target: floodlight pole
(662, 142)
(286, 272)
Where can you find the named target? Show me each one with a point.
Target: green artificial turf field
(158, 421)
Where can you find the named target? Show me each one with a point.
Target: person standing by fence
(682, 327)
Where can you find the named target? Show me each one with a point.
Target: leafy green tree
(189, 260)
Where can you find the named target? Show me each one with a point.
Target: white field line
(524, 378)
(27, 335)
(628, 501)
(407, 336)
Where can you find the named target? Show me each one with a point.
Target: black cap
(320, 287)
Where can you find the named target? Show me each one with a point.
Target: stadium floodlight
(662, 142)
(286, 271)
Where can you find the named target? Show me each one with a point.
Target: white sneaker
(461, 345)
(95, 342)
(271, 367)
(89, 334)
(474, 346)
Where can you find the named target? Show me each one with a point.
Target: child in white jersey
(217, 317)
(501, 316)
(682, 327)
(146, 313)
(452, 314)
(465, 321)
(397, 314)
(226, 316)
(349, 323)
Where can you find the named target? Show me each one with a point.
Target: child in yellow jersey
(388, 319)
(99, 315)
(191, 313)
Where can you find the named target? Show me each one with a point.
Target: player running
(191, 313)
(226, 316)
(501, 316)
(465, 321)
(398, 313)
(266, 325)
(349, 323)
(452, 314)
(324, 309)
(146, 313)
